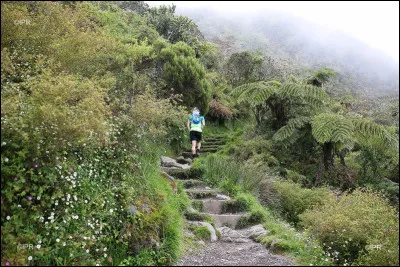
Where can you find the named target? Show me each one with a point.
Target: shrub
(294, 200)
(346, 226)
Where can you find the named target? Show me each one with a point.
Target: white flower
(105, 255)
(4, 143)
(29, 258)
(58, 240)
(19, 206)
(111, 210)
(86, 201)
(87, 251)
(8, 218)
(38, 198)
(6, 160)
(105, 249)
(40, 241)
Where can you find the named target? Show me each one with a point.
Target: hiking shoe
(195, 156)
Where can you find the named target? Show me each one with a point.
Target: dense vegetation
(92, 93)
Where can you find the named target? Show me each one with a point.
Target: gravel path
(234, 254)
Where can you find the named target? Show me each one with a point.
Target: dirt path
(234, 254)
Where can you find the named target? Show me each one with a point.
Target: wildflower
(64, 244)
(40, 241)
(38, 246)
(58, 240)
(30, 198)
(38, 198)
(36, 166)
(4, 143)
(6, 160)
(8, 218)
(87, 251)
(105, 249)
(86, 201)
(7, 263)
(29, 258)
(105, 255)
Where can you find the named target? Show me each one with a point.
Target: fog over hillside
(361, 69)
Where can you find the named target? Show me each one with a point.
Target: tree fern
(286, 132)
(329, 127)
(255, 93)
(366, 128)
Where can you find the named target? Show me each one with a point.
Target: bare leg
(193, 147)
(198, 145)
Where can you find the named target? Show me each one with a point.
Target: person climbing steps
(195, 125)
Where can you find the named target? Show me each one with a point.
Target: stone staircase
(221, 215)
(211, 203)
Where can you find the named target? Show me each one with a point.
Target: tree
(279, 99)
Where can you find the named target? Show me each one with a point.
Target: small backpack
(196, 117)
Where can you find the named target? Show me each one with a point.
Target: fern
(287, 131)
(329, 127)
(255, 93)
(366, 128)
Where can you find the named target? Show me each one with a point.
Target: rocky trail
(227, 245)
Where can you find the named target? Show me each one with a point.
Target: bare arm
(188, 125)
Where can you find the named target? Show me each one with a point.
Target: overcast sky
(375, 23)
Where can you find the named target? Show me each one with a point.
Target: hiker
(195, 125)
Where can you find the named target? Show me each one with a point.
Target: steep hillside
(361, 69)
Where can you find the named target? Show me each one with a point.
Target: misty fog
(307, 44)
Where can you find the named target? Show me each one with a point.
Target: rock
(181, 160)
(213, 236)
(208, 188)
(230, 235)
(222, 197)
(201, 242)
(132, 210)
(187, 155)
(254, 232)
(191, 210)
(170, 163)
(165, 159)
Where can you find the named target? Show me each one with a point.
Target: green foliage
(201, 232)
(329, 127)
(293, 200)
(356, 220)
(184, 73)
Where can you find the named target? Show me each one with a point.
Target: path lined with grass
(236, 244)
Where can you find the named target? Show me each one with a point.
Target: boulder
(213, 236)
(230, 235)
(222, 197)
(254, 232)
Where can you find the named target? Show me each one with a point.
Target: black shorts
(195, 136)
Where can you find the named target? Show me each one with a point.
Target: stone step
(229, 220)
(210, 146)
(196, 193)
(191, 183)
(214, 206)
(222, 142)
(180, 174)
(207, 150)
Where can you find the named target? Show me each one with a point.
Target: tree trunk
(328, 155)
(278, 110)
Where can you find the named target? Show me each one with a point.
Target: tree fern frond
(255, 93)
(290, 128)
(329, 127)
(367, 127)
